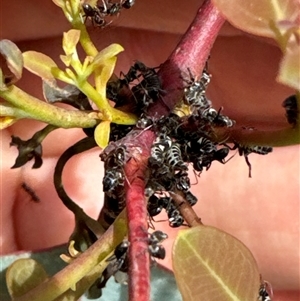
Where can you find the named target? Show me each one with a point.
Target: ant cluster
(99, 13)
(179, 141)
(113, 185)
(118, 262)
(137, 89)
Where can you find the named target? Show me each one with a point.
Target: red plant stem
(139, 258)
(191, 52)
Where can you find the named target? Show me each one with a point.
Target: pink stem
(191, 52)
(139, 260)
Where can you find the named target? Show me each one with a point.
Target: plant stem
(39, 110)
(139, 259)
(81, 266)
(283, 137)
(191, 53)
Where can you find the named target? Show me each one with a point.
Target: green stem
(31, 107)
(9, 110)
(282, 137)
(81, 266)
(85, 40)
(109, 113)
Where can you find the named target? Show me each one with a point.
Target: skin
(263, 212)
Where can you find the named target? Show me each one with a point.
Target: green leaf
(105, 60)
(254, 16)
(23, 275)
(14, 61)
(7, 121)
(210, 264)
(39, 64)
(289, 70)
(70, 40)
(107, 53)
(101, 133)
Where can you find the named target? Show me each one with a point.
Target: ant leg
(249, 165)
(196, 177)
(104, 10)
(31, 192)
(229, 158)
(234, 147)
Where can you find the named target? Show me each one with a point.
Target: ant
(112, 9)
(149, 89)
(292, 110)
(113, 185)
(216, 118)
(194, 92)
(94, 14)
(98, 13)
(265, 291)
(206, 159)
(155, 248)
(247, 150)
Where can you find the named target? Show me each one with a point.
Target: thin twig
(186, 209)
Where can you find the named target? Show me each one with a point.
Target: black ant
(265, 291)
(112, 9)
(247, 150)
(174, 215)
(149, 88)
(216, 118)
(206, 159)
(155, 248)
(194, 92)
(94, 14)
(113, 185)
(292, 110)
(98, 13)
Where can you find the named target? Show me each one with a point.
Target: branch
(191, 52)
(139, 268)
(84, 264)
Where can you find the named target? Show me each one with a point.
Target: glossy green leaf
(255, 16)
(23, 275)
(212, 265)
(101, 134)
(39, 64)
